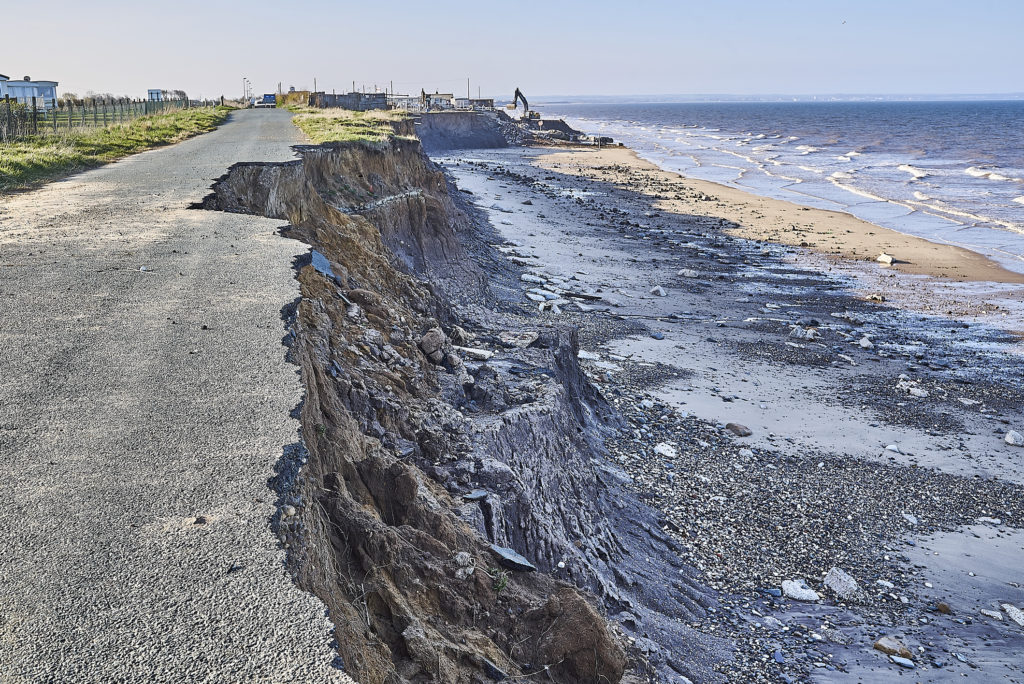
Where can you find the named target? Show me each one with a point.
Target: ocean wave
(1019, 200)
(868, 195)
(811, 169)
(841, 175)
(990, 174)
(921, 196)
(807, 149)
(914, 171)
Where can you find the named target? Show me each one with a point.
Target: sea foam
(914, 171)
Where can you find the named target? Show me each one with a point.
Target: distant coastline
(777, 97)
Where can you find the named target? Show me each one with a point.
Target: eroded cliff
(449, 500)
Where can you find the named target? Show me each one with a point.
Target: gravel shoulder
(145, 401)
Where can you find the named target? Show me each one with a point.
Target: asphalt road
(143, 385)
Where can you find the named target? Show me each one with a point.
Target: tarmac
(145, 399)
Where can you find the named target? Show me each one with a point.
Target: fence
(19, 119)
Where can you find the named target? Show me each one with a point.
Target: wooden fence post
(7, 107)
(35, 117)
(54, 109)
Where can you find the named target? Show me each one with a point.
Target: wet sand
(835, 234)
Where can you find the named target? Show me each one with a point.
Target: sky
(546, 48)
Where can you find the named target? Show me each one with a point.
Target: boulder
(739, 430)
(843, 585)
(1014, 613)
(798, 590)
(884, 258)
(665, 449)
(1014, 438)
(893, 646)
(432, 344)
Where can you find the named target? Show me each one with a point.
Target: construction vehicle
(527, 114)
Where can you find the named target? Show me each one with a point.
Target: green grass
(344, 125)
(27, 162)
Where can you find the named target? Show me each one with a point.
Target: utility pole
(468, 91)
(314, 84)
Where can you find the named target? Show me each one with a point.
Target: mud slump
(427, 464)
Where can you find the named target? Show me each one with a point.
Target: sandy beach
(835, 234)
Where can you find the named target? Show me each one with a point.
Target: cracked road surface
(144, 401)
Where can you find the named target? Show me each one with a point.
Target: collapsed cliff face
(451, 510)
(444, 131)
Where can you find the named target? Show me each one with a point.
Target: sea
(951, 172)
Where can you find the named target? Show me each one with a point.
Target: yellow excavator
(527, 114)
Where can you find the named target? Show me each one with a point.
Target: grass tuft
(345, 125)
(27, 162)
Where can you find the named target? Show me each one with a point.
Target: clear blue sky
(545, 47)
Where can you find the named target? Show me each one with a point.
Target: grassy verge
(30, 161)
(343, 125)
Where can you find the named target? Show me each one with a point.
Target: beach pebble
(688, 273)
(910, 518)
(884, 258)
(994, 614)
(865, 343)
(1014, 438)
(902, 662)
(530, 278)
(658, 291)
(798, 590)
(587, 356)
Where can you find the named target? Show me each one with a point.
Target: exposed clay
(419, 459)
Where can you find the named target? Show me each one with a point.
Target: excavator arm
(515, 102)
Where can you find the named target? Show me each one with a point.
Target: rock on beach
(798, 590)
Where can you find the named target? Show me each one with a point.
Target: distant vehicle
(268, 100)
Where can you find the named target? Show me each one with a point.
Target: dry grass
(27, 162)
(344, 125)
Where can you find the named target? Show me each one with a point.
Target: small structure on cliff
(359, 102)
